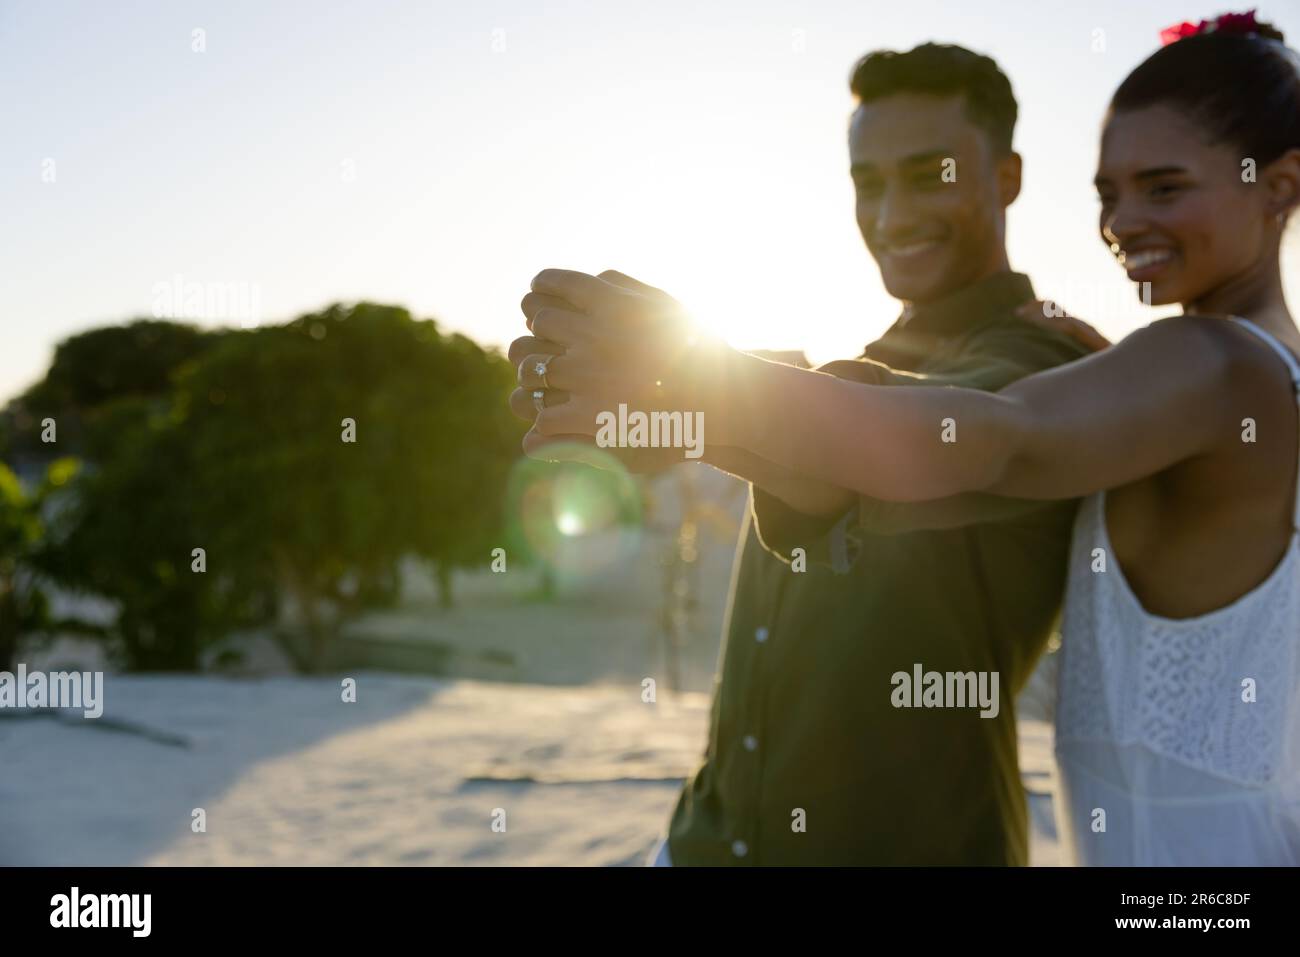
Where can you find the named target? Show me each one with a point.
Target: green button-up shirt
(809, 760)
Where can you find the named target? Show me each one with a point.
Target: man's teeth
(913, 248)
(1145, 258)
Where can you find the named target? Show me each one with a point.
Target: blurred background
(260, 263)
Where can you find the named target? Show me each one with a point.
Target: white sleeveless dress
(1157, 737)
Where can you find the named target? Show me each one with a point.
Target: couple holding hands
(982, 468)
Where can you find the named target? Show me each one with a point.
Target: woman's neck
(1256, 296)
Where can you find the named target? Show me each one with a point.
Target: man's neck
(911, 306)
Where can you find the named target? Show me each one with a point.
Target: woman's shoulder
(1182, 343)
(1212, 356)
(1209, 342)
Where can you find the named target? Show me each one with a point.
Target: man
(817, 754)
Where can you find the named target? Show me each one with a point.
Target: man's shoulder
(1033, 341)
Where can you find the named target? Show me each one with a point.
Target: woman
(1178, 730)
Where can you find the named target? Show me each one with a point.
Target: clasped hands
(598, 342)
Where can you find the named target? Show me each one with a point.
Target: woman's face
(1177, 211)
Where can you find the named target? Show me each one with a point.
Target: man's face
(931, 194)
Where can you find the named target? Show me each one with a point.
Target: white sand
(409, 774)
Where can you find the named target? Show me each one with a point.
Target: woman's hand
(1049, 316)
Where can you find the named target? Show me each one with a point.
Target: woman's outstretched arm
(1161, 396)
(1177, 389)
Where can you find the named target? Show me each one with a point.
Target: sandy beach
(412, 773)
(528, 707)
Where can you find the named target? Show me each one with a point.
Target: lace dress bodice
(1183, 733)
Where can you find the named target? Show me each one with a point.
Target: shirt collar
(916, 330)
(988, 298)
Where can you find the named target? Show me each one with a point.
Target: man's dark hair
(943, 70)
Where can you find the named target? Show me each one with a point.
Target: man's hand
(603, 341)
(527, 352)
(623, 342)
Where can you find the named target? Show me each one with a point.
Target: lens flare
(575, 518)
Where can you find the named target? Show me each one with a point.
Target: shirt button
(760, 634)
(739, 848)
(751, 743)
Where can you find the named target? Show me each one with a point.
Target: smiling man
(811, 759)
(931, 184)
(803, 720)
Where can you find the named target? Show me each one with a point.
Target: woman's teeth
(1145, 258)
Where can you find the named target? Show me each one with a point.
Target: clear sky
(437, 154)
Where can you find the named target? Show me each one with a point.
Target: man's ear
(1008, 173)
(1282, 180)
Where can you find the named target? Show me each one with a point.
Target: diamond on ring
(539, 399)
(540, 369)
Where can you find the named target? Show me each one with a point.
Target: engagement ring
(540, 369)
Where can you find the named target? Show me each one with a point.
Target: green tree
(327, 449)
(93, 370)
(236, 444)
(24, 606)
(128, 534)
(482, 439)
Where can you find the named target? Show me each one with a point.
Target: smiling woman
(1174, 208)
(1181, 154)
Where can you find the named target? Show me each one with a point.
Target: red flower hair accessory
(1239, 23)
